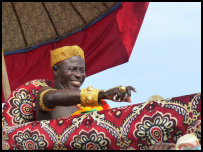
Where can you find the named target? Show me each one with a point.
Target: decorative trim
(63, 37)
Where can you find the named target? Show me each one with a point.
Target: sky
(166, 58)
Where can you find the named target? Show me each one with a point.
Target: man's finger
(128, 92)
(129, 99)
(133, 89)
(119, 94)
(123, 96)
(117, 97)
(117, 91)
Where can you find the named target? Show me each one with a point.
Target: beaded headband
(64, 53)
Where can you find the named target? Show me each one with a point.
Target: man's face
(70, 73)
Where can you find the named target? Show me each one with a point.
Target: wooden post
(5, 81)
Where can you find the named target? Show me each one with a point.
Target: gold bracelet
(89, 97)
(41, 103)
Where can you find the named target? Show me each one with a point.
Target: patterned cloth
(81, 110)
(131, 127)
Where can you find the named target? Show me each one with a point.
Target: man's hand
(163, 146)
(117, 94)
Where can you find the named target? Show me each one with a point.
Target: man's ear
(55, 70)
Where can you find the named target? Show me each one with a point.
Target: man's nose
(78, 74)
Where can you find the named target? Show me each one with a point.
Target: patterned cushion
(131, 127)
(20, 106)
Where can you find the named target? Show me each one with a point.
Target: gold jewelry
(122, 89)
(41, 103)
(64, 53)
(89, 97)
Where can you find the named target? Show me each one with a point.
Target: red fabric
(105, 104)
(131, 127)
(129, 24)
(107, 43)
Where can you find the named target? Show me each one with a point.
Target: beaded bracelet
(41, 103)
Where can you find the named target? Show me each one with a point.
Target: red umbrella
(107, 39)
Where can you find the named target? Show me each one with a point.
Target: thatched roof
(26, 24)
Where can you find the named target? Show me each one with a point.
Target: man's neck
(59, 86)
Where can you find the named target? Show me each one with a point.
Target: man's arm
(70, 97)
(63, 97)
(63, 100)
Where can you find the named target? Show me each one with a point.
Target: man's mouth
(76, 83)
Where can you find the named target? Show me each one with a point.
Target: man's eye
(82, 70)
(69, 69)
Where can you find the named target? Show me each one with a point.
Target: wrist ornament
(89, 97)
(41, 103)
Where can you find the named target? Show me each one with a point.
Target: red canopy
(107, 42)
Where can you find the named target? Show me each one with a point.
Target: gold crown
(64, 53)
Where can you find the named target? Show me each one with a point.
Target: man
(68, 64)
(69, 74)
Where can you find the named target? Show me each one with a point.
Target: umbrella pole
(5, 81)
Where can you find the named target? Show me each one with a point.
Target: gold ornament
(41, 101)
(89, 97)
(64, 53)
(122, 89)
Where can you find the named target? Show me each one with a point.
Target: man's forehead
(75, 60)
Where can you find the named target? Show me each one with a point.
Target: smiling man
(66, 98)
